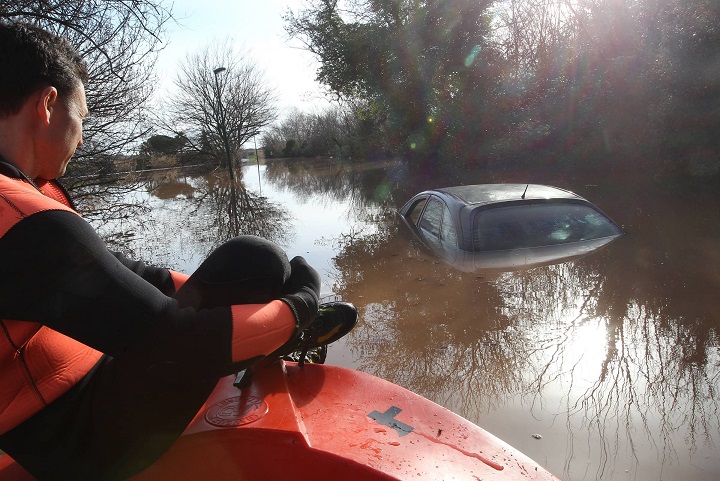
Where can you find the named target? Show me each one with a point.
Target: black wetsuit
(163, 351)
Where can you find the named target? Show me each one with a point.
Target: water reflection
(614, 358)
(366, 186)
(229, 209)
(191, 214)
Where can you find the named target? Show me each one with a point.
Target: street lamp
(223, 126)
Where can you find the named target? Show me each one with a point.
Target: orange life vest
(37, 364)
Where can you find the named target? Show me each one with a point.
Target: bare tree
(222, 101)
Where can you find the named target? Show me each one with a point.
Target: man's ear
(46, 104)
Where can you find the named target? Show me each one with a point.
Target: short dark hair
(32, 58)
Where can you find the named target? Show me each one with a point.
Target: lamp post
(257, 159)
(223, 126)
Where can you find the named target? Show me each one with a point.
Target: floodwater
(606, 367)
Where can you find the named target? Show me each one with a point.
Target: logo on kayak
(236, 411)
(388, 419)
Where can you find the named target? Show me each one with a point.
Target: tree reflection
(227, 209)
(365, 185)
(197, 213)
(623, 345)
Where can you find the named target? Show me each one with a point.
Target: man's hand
(302, 291)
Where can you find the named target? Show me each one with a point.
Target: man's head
(32, 58)
(42, 99)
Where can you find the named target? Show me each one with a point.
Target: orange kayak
(321, 422)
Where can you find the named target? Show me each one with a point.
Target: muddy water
(606, 367)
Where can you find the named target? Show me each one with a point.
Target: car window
(431, 220)
(447, 233)
(414, 214)
(535, 225)
(436, 222)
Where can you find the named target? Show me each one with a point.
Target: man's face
(64, 133)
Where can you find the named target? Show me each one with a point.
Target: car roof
(483, 194)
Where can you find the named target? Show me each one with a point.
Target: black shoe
(333, 321)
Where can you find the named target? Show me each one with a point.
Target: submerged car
(506, 226)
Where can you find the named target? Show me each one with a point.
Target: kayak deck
(325, 422)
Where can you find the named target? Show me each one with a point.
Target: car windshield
(536, 225)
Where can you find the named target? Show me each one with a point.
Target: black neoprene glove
(302, 291)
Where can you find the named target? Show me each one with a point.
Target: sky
(255, 26)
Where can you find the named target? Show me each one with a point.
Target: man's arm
(164, 279)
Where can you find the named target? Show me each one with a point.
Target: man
(91, 343)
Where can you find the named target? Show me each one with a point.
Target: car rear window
(536, 225)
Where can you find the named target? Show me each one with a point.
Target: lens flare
(470, 59)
